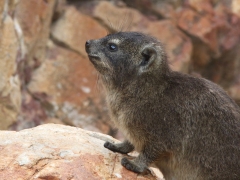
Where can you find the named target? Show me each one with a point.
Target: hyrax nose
(87, 42)
(87, 45)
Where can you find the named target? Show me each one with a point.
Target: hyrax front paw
(131, 166)
(124, 147)
(110, 146)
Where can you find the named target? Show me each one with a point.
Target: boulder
(57, 152)
(61, 81)
(67, 85)
(213, 28)
(161, 9)
(235, 6)
(10, 95)
(73, 29)
(32, 21)
(34, 18)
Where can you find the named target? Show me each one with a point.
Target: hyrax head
(126, 55)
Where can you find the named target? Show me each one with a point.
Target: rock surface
(10, 95)
(214, 38)
(57, 152)
(75, 28)
(34, 21)
(71, 93)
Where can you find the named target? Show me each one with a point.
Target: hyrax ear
(149, 57)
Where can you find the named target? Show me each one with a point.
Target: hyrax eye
(112, 47)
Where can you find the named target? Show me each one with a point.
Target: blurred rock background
(45, 75)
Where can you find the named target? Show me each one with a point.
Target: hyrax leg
(124, 147)
(141, 162)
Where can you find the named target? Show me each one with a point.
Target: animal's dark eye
(112, 47)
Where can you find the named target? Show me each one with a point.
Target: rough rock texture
(235, 6)
(162, 9)
(70, 153)
(10, 96)
(34, 18)
(71, 92)
(213, 38)
(66, 81)
(69, 30)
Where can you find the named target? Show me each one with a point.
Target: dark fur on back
(187, 126)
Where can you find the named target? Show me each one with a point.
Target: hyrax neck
(136, 85)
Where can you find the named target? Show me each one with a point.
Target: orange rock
(60, 152)
(70, 83)
(35, 18)
(203, 31)
(10, 96)
(202, 6)
(75, 28)
(236, 7)
(201, 26)
(215, 36)
(166, 9)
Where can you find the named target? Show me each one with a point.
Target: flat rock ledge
(58, 152)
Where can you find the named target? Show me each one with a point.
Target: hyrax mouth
(91, 55)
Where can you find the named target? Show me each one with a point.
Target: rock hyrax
(187, 126)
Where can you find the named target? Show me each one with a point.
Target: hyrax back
(186, 126)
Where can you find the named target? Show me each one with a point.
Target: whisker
(121, 25)
(129, 21)
(98, 82)
(112, 29)
(107, 30)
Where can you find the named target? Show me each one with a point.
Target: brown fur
(187, 126)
